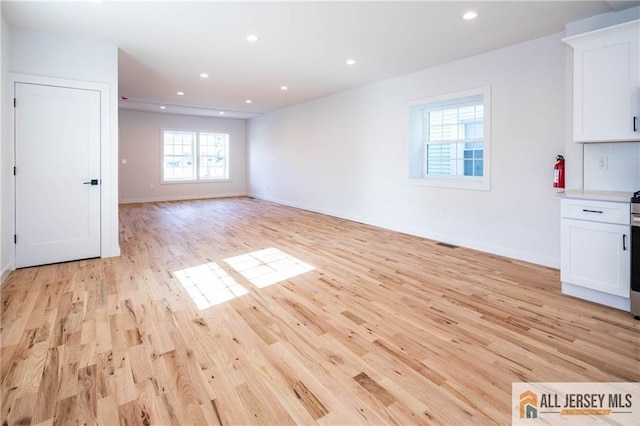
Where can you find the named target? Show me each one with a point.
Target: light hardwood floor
(377, 328)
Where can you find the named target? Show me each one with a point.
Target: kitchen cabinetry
(595, 251)
(606, 84)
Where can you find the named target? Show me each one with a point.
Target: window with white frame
(189, 156)
(449, 140)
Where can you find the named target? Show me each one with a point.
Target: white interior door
(57, 141)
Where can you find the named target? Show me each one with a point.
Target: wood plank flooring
(305, 319)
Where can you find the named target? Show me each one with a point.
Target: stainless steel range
(635, 255)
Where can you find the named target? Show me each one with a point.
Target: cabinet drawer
(596, 211)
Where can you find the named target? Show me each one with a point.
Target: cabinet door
(596, 256)
(606, 85)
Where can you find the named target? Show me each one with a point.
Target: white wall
(34, 53)
(347, 154)
(140, 145)
(601, 21)
(623, 166)
(6, 231)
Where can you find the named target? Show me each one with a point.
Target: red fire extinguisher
(558, 172)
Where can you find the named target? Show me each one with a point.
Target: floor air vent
(446, 245)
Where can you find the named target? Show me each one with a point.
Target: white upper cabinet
(606, 84)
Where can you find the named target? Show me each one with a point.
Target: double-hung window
(449, 140)
(189, 156)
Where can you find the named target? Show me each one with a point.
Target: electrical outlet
(603, 163)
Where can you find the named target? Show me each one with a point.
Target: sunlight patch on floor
(209, 285)
(269, 266)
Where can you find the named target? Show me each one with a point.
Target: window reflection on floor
(268, 266)
(209, 285)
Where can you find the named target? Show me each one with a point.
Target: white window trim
(415, 109)
(196, 158)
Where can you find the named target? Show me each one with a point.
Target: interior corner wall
(140, 146)
(347, 155)
(5, 164)
(46, 55)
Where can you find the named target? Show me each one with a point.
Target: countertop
(615, 196)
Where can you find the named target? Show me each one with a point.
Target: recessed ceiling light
(248, 101)
(180, 93)
(163, 107)
(284, 88)
(351, 61)
(221, 113)
(252, 38)
(204, 75)
(470, 15)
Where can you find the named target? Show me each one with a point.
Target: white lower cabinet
(595, 251)
(596, 256)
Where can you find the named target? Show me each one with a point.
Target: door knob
(91, 182)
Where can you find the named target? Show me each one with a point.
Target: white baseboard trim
(5, 274)
(547, 261)
(112, 252)
(180, 198)
(489, 248)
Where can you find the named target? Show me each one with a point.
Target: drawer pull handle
(592, 211)
(624, 242)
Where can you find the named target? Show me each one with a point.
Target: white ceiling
(164, 46)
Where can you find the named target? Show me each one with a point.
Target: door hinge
(14, 170)
(15, 239)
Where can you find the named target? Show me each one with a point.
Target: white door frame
(109, 194)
